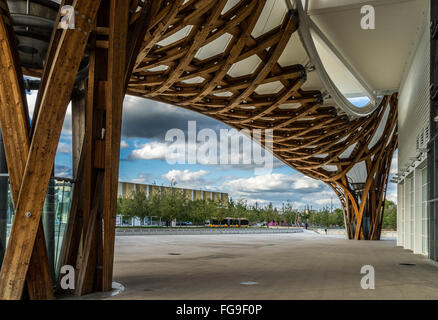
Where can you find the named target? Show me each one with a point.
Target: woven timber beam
(110, 69)
(59, 77)
(14, 120)
(310, 137)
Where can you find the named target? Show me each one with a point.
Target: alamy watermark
(232, 147)
(68, 18)
(368, 280)
(368, 21)
(67, 277)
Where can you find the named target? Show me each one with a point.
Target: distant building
(128, 189)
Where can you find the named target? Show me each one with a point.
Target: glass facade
(54, 216)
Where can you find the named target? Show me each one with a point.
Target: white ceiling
(380, 56)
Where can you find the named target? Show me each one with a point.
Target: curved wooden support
(54, 96)
(14, 120)
(310, 137)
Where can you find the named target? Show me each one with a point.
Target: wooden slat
(55, 98)
(95, 113)
(86, 275)
(151, 39)
(75, 248)
(39, 280)
(136, 35)
(307, 138)
(115, 89)
(14, 120)
(54, 41)
(198, 41)
(14, 115)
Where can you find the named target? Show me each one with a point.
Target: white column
(418, 212)
(407, 215)
(400, 199)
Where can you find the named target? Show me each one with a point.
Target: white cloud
(392, 196)
(64, 147)
(186, 176)
(150, 151)
(124, 144)
(143, 178)
(325, 201)
(275, 182)
(63, 171)
(139, 180)
(279, 188)
(305, 183)
(159, 151)
(31, 100)
(236, 154)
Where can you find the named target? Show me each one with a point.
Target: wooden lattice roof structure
(242, 62)
(309, 134)
(219, 61)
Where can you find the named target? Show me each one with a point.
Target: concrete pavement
(271, 266)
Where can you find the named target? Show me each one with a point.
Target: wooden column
(106, 87)
(87, 247)
(14, 120)
(78, 110)
(115, 91)
(370, 201)
(4, 185)
(54, 96)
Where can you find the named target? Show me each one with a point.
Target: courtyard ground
(268, 266)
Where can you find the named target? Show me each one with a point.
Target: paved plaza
(268, 266)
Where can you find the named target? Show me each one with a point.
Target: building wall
(206, 195)
(154, 191)
(188, 194)
(216, 196)
(414, 134)
(126, 189)
(414, 104)
(197, 195)
(141, 188)
(166, 191)
(224, 198)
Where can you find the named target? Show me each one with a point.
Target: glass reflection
(55, 215)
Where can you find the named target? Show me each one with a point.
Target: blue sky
(359, 102)
(142, 160)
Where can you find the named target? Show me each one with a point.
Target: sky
(143, 160)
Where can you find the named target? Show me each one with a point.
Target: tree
(390, 215)
(135, 205)
(337, 218)
(172, 205)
